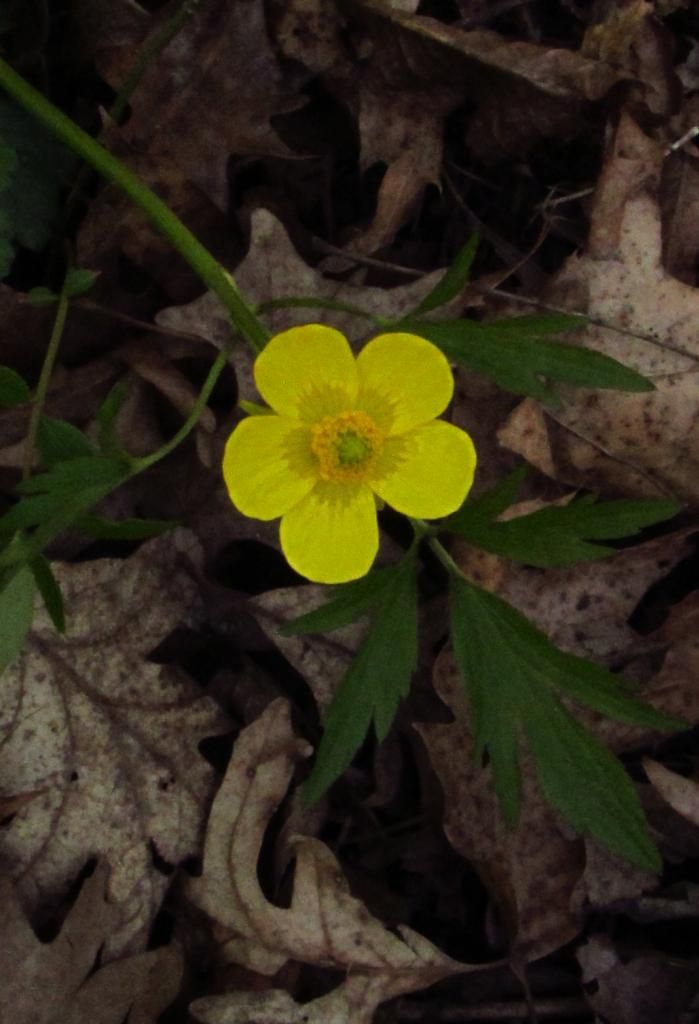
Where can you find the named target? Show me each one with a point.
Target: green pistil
(352, 449)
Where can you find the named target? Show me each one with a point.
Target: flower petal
(427, 472)
(268, 466)
(332, 535)
(307, 373)
(405, 375)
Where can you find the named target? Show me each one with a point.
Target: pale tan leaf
(273, 270)
(681, 793)
(56, 982)
(324, 925)
(635, 444)
(109, 736)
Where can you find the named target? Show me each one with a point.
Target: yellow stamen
(346, 446)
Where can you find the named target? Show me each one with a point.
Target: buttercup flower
(342, 433)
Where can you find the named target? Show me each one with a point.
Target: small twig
(366, 261)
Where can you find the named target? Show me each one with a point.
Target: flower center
(346, 446)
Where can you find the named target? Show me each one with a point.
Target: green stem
(446, 559)
(214, 276)
(42, 387)
(139, 465)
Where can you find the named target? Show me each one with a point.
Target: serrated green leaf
(559, 535)
(59, 440)
(513, 355)
(14, 390)
(106, 419)
(86, 471)
(378, 678)
(16, 613)
(50, 591)
(491, 503)
(513, 675)
(454, 280)
(349, 602)
(123, 529)
(57, 498)
(583, 780)
(78, 281)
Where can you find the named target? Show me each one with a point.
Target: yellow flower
(342, 434)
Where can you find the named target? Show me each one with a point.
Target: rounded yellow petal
(332, 535)
(404, 381)
(307, 373)
(427, 472)
(268, 466)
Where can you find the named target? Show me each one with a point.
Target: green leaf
(123, 529)
(493, 502)
(454, 281)
(349, 602)
(14, 390)
(16, 613)
(583, 780)
(514, 355)
(50, 591)
(78, 281)
(106, 418)
(30, 187)
(378, 678)
(75, 474)
(557, 535)
(513, 676)
(57, 498)
(58, 441)
(40, 297)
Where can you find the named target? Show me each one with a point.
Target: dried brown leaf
(642, 444)
(111, 737)
(631, 987)
(324, 924)
(681, 793)
(56, 982)
(273, 270)
(220, 61)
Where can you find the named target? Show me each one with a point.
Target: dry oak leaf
(109, 736)
(681, 794)
(273, 269)
(57, 982)
(641, 444)
(523, 92)
(324, 925)
(636, 985)
(210, 93)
